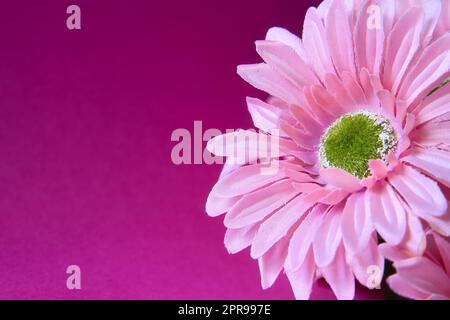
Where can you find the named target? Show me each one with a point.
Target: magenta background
(85, 124)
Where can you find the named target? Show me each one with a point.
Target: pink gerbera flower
(363, 145)
(423, 277)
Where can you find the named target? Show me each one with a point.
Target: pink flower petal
(431, 70)
(264, 116)
(247, 146)
(387, 100)
(443, 25)
(334, 197)
(316, 44)
(432, 9)
(422, 194)
(340, 277)
(413, 244)
(216, 206)
(402, 44)
(356, 224)
(271, 263)
(434, 106)
(378, 168)
(301, 280)
(303, 237)
(244, 180)
(340, 179)
(369, 43)
(433, 161)
(278, 225)
(368, 265)
(433, 134)
(387, 213)
(403, 287)
(255, 206)
(264, 77)
(340, 38)
(443, 245)
(287, 62)
(324, 100)
(308, 122)
(354, 90)
(328, 237)
(300, 137)
(424, 275)
(237, 240)
(369, 90)
(288, 38)
(336, 87)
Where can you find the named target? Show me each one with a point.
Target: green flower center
(354, 139)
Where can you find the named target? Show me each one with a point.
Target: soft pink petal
(340, 38)
(415, 240)
(284, 36)
(237, 240)
(424, 275)
(301, 280)
(434, 162)
(403, 287)
(354, 89)
(402, 44)
(334, 197)
(264, 77)
(431, 70)
(300, 137)
(421, 193)
(244, 180)
(434, 106)
(271, 263)
(278, 225)
(307, 121)
(432, 9)
(434, 134)
(323, 113)
(370, 91)
(324, 195)
(328, 237)
(265, 116)
(340, 277)
(387, 101)
(215, 206)
(316, 43)
(247, 146)
(298, 176)
(324, 100)
(356, 224)
(339, 91)
(440, 224)
(443, 25)
(287, 62)
(255, 206)
(340, 179)
(414, 243)
(303, 237)
(378, 168)
(369, 43)
(443, 245)
(387, 213)
(368, 265)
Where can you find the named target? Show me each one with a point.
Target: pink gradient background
(85, 122)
